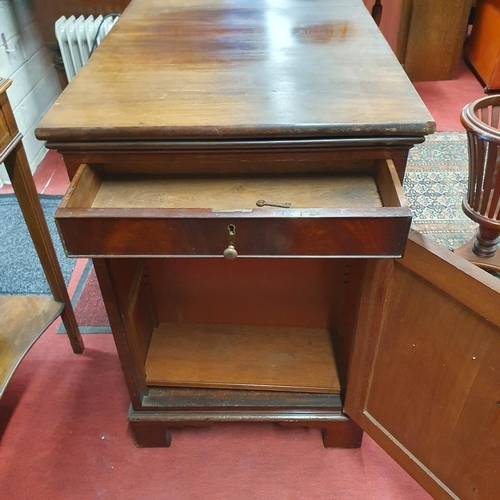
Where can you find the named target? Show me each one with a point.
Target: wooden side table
(24, 318)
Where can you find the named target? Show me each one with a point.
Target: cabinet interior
(281, 324)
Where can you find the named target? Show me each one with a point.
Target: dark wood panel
(337, 155)
(183, 399)
(426, 35)
(128, 309)
(425, 385)
(311, 233)
(305, 293)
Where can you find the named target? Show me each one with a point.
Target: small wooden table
(224, 310)
(24, 318)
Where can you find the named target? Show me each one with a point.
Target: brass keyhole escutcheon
(230, 253)
(232, 229)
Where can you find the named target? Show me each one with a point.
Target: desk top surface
(251, 69)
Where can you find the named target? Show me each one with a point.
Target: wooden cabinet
(224, 309)
(483, 48)
(427, 36)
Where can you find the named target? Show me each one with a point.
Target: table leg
(24, 187)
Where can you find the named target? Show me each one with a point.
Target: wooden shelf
(242, 357)
(22, 320)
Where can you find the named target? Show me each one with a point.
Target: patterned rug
(435, 183)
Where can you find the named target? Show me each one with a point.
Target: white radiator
(77, 37)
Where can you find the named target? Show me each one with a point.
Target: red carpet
(89, 308)
(445, 100)
(67, 439)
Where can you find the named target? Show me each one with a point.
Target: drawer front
(324, 236)
(331, 215)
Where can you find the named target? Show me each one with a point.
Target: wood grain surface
(8, 127)
(22, 320)
(241, 356)
(222, 69)
(237, 193)
(426, 370)
(432, 38)
(305, 293)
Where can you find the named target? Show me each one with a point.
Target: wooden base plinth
(340, 433)
(467, 253)
(152, 429)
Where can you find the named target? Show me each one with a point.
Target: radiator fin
(76, 38)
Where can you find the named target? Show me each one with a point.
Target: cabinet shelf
(242, 357)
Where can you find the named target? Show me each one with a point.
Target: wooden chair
(24, 318)
(482, 200)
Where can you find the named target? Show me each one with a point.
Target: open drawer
(331, 214)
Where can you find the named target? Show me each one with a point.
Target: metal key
(263, 203)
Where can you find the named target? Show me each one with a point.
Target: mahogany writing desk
(187, 115)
